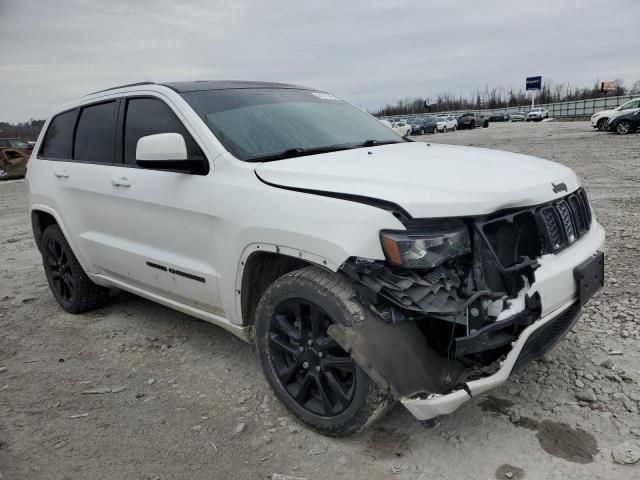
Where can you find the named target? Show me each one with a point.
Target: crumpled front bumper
(435, 405)
(560, 310)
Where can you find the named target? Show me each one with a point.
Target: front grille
(564, 221)
(530, 232)
(546, 337)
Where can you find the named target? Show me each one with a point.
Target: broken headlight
(426, 248)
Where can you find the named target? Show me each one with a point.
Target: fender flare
(256, 247)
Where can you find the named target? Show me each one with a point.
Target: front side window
(149, 116)
(58, 141)
(630, 105)
(18, 144)
(260, 124)
(95, 134)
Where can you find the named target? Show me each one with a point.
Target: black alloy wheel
(71, 287)
(314, 378)
(311, 366)
(58, 267)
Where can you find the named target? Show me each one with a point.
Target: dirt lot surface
(185, 400)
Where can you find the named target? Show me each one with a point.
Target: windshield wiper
(374, 143)
(300, 152)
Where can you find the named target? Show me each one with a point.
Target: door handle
(120, 182)
(61, 173)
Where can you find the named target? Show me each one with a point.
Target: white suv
(537, 114)
(599, 120)
(365, 267)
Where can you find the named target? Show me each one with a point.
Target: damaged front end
(453, 297)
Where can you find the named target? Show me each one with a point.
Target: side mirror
(164, 151)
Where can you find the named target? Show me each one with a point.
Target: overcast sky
(368, 52)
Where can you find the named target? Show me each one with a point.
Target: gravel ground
(182, 399)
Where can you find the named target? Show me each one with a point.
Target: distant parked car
(537, 114)
(420, 126)
(499, 117)
(446, 123)
(402, 128)
(472, 120)
(16, 143)
(624, 124)
(599, 120)
(517, 117)
(13, 163)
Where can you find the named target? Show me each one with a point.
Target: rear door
(79, 149)
(158, 232)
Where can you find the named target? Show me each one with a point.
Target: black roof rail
(123, 86)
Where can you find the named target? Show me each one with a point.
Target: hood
(427, 180)
(604, 112)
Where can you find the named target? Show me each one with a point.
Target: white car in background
(446, 123)
(599, 120)
(537, 114)
(403, 128)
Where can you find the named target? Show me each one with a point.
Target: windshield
(262, 123)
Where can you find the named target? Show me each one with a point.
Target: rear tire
(309, 372)
(485, 124)
(70, 285)
(624, 127)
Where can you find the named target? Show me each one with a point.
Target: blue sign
(534, 83)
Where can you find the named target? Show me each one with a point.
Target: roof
(183, 87)
(201, 85)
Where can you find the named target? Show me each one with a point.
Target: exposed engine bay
(464, 288)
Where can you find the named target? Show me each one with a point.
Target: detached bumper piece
(533, 342)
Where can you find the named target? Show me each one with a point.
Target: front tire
(70, 285)
(309, 372)
(601, 124)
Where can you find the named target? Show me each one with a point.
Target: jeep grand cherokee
(366, 268)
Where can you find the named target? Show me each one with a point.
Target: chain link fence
(573, 109)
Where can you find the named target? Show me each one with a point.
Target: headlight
(425, 249)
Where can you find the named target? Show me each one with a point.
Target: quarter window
(148, 116)
(58, 141)
(95, 135)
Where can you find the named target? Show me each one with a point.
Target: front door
(160, 233)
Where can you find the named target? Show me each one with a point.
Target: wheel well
(39, 222)
(261, 269)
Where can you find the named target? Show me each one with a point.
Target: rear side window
(58, 141)
(148, 116)
(95, 135)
